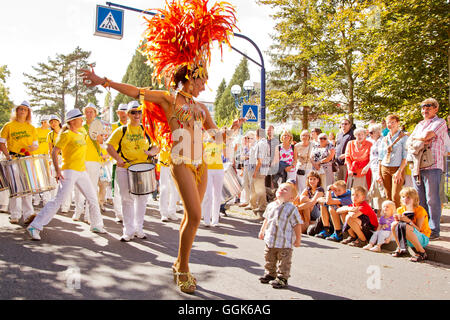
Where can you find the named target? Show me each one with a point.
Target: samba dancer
(19, 139)
(72, 144)
(129, 145)
(182, 58)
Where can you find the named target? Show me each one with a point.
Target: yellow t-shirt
(73, 146)
(18, 135)
(91, 154)
(116, 125)
(42, 140)
(133, 144)
(51, 138)
(419, 212)
(212, 155)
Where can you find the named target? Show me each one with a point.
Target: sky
(33, 31)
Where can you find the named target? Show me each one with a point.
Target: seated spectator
(360, 219)
(307, 203)
(383, 234)
(411, 226)
(337, 196)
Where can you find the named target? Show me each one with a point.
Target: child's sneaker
(34, 233)
(323, 234)
(335, 237)
(279, 283)
(266, 279)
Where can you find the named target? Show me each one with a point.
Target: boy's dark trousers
(278, 262)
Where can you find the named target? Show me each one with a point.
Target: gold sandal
(175, 271)
(188, 285)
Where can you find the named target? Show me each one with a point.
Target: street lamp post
(236, 91)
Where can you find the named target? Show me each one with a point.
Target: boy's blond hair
(340, 184)
(360, 190)
(293, 189)
(411, 193)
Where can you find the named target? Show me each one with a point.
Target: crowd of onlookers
(358, 185)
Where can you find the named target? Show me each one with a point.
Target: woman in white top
(304, 166)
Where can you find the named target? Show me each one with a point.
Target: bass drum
(232, 184)
(142, 178)
(28, 175)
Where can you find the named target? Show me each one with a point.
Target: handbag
(427, 158)
(301, 172)
(334, 166)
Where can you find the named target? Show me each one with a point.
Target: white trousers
(168, 193)
(4, 197)
(117, 200)
(72, 178)
(133, 206)
(93, 171)
(213, 197)
(21, 206)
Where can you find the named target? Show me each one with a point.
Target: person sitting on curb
(416, 230)
(307, 203)
(360, 219)
(337, 196)
(384, 232)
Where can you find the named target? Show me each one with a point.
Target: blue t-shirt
(345, 198)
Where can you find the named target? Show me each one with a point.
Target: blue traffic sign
(250, 112)
(109, 22)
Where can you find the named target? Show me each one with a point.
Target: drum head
(141, 167)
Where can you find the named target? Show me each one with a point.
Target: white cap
(73, 114)
(54, 117)
(91, 105)
(44, 117)
(26, 104)
(133, 105)
(122, 107)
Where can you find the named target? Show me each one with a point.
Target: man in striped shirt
(282, 222)
(431, 131)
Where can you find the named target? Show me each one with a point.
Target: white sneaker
(164, 219)
(98, 230)
(125, 238)
(34, 233)
(173, 217)
(140, 235)
(75, 217)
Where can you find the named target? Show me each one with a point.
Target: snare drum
(232, 185)
(142, 179)
(28, 175)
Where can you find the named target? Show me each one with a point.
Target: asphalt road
(72, 263)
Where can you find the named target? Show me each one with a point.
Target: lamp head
(236, 90)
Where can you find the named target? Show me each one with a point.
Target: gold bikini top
(185, 113)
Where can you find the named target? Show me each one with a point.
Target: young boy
(360, 219)
(281, 222)
(337, 196)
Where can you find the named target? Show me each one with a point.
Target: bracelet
(141, 95)
(107, 83)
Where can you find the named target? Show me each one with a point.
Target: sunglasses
(427, 105)
(136, 112)
(323, 138)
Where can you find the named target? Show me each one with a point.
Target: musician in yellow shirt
(168, 193)
(72, 143)
(117, 201)
(93, 162)
(18, 138)
(212, 199)
(42, 133)
(130, 145)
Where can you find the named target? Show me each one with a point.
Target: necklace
(186, 95)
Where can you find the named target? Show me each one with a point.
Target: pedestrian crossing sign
(250, 112)
(109, 22)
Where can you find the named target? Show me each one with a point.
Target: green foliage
(58, 78)
(139, 74)
(5, 103)
(225, 108)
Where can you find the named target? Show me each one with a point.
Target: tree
(139, 73)
(220, 91)
(407, 58)
(225, 109)
(6, 104)
(57, 79)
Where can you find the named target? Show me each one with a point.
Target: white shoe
(180, 208)
(173, 217)
(140, 235)
(125, 238)
(34, 233)
(164, 219)
(98, 230)
(75, 217)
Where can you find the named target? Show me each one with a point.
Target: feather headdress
(182, 34)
